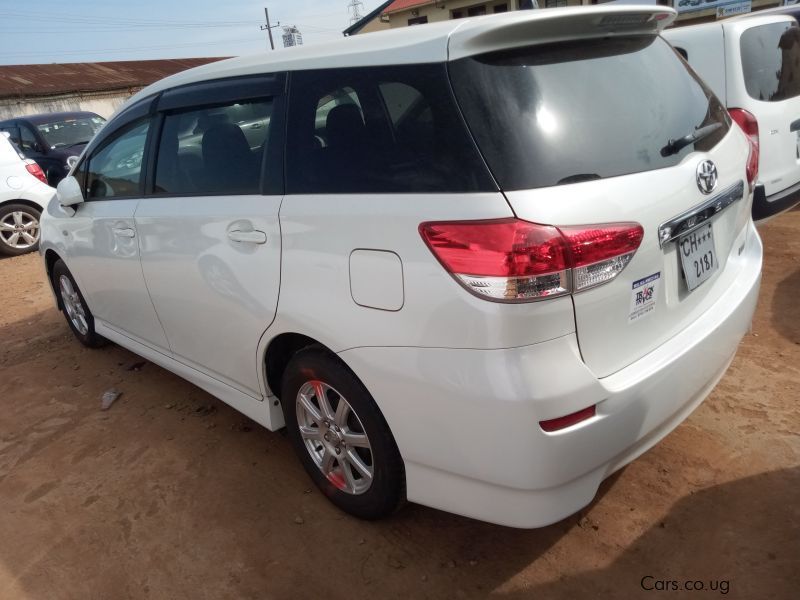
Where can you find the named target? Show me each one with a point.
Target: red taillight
(35, 170)
(515, 260)
(568, 420)
(601, 251)
(749, 125)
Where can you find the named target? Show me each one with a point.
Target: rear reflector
(568, 420)
(749, 125)
(34, 169)
(515, 261)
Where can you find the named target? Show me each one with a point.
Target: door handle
(795, 126)
(125, 232)
(247, 237)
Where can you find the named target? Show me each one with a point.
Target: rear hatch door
(588, 131)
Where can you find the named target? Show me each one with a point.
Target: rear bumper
(466, 421)
(768, 206)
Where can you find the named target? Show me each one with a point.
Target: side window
(28, 140)
(213, 150)
(391, 129)
(115, 170)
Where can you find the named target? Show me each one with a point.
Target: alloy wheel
(73, 305)
(334, 437)
(19, 230)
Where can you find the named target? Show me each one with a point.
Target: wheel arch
(280, 351)
(29, 203)
(51, 257)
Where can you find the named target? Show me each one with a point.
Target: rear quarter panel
(320, 233)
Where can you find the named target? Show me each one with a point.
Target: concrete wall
(104, 104)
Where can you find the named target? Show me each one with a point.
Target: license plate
(698, 256)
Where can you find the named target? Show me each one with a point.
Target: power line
(91, 19)
(129, 49)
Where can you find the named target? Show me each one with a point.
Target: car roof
(750, 20)
(435, 42)
(6, 142)
(739, 23)
(40, 118)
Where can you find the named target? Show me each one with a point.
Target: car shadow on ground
(721, 537)
(786, 308)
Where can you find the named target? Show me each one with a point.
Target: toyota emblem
(706, 176)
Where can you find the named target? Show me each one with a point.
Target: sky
(48, 31)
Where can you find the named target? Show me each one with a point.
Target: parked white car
(23, 195)
(752, 63)
(479, 264)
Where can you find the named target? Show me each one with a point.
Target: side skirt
(266, 412)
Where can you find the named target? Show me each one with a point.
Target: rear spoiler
(526, 28)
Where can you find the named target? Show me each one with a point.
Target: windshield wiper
(675, 146)
(75, 144)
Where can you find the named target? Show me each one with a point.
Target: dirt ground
(171, 494)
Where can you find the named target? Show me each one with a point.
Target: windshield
(771, 61)
(70, 132)
(585, 109)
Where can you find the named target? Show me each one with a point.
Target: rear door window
(379, 130)
(565, 113)
(771, 61)
(213, 150)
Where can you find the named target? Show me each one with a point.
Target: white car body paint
(16, 183)
(462, 382)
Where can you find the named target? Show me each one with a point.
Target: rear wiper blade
(578, 178)
(675, 146)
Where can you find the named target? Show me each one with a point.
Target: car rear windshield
(582, 110)
(771, 61)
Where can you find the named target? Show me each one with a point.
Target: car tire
(19, 222)
(73, 306)
(357, 429)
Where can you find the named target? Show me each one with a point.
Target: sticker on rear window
(643, 296)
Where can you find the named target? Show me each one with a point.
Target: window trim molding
(221, 91)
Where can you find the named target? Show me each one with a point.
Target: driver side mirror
(69, 192)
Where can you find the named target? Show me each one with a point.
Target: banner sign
(724, 7)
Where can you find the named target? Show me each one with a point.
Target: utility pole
(269, 28)
(354, 8)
